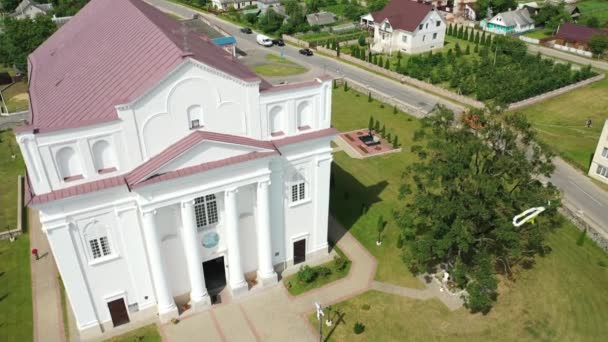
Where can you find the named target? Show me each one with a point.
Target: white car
(263, 40)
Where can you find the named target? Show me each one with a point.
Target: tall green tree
(598, 43)
(9, 5)
(20, 37)
(470, 181)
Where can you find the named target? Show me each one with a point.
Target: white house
(237, 4)
(406, 26)
(30, 9)
(599, 164)
(512, 22)
(164, 170)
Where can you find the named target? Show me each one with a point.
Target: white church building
(162, 168)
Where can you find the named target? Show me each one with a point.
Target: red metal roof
(146, 169)
(403, 14)
(110, 53)
(576, 33)
(303, 137)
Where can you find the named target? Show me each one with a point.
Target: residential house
(321, 18)
(510, 22)
(30, 9)
(532, 7)
(573, 11)
(407, 26)
(172, 171)
(599, 164)
(575, 36)
(237, 4)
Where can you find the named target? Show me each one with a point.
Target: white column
(166, 304)
(237, 278)
(266, 273)
(198, 289)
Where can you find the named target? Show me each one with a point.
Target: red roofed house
(407, 26)
(164, 170)
(575, 36)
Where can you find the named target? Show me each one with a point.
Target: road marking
(586, 193)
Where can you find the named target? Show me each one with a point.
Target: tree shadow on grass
(337, 322)
(350, 199)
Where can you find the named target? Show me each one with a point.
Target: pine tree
(338, 49)
(383, 131)
(345, 85)
(369, 56)
(472, 35)
(460, 32)
(396, 142)
(369, 97)
(370, 124)
(449, 33)
(395, 109)
(387, 64)
(377, 126)
(458, 50)
(335, 84)
(467, 51)
(465, 36)
(476, 41)
(388, 137)
(375, 60)
(476, 49)
(482, 40)
(489, 40)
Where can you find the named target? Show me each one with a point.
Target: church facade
(162, 168)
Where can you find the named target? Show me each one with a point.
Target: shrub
(359, 328)
(369, 97)
(383, 131)
(377, 126)
(365, 307)
(307, 274)
(602, 263)
(345, 195)
(396, 142)
(370, 124)
(395, 109)
(323, 271)
(381, 105)
(345, 86)
(400, 241)
(361, 40)
(340, 262)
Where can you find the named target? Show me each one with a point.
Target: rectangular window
(420, 27)
(294, 193)
(602, 171)
(195, 124)
(105, 245)
(435, 35)
(438, 23)
(95, 250)
(205, 211)
(298, 191)
(605, 152)
(404, 38)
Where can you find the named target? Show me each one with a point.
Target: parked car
(278, 42)
(246, 30)
(306, 52)
(263, 40)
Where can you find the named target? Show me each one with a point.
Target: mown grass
(562, 298)
(372, 182)
(296, 287)
(560, 122)
(15, 290)
(10, 169)
(15, 97)
(278, 66)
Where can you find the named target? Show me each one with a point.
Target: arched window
(97, 240)
(297, 186)
(195, 116)
(276, 121)
(205, 210)
(304, 116)
(68, 165)
(103, 158)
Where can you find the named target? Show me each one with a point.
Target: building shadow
(350, 199)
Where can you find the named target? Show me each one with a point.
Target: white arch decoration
(67, 163)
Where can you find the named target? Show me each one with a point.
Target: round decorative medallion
(211, 239)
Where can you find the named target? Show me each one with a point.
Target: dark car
(306, 52)
(278, 42)
(246, 30)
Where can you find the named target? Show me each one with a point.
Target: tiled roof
(278, 143)
(110, 53)
(576, 33)
(403, 14)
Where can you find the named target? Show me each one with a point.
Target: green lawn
(15, 290)
(15, 97)
(278, 66)
(296, 287)
(560, 122)
(539, 33)
(593, 8)
(372, 182)
(9, 170)
(149, 333)
(562, 298)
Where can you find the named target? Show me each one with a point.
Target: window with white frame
(602, 171)
(404, 38)
(276, 121)
(420, 26)
(435, 35)
(605, 152)
(98, 240)
(298, 188)
(68, 164)
(205, 210)
(195, 116)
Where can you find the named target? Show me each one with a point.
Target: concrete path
(567, 56)
(432, 290)
(46, 296)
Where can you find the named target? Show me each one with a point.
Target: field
(594, 8)
(560, 299)
(15, 290)
(9, 170)
(560, 122)
(372, 182)
(539, 33)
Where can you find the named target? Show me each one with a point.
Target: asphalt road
(581, 195)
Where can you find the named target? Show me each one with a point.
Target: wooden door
(299, 251)
(118, 311)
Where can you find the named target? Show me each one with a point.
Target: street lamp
(320, 315)
(527, 215)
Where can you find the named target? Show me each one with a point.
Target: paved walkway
(46, 297)
(567, 56)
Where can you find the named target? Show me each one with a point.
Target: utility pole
(320, 315)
